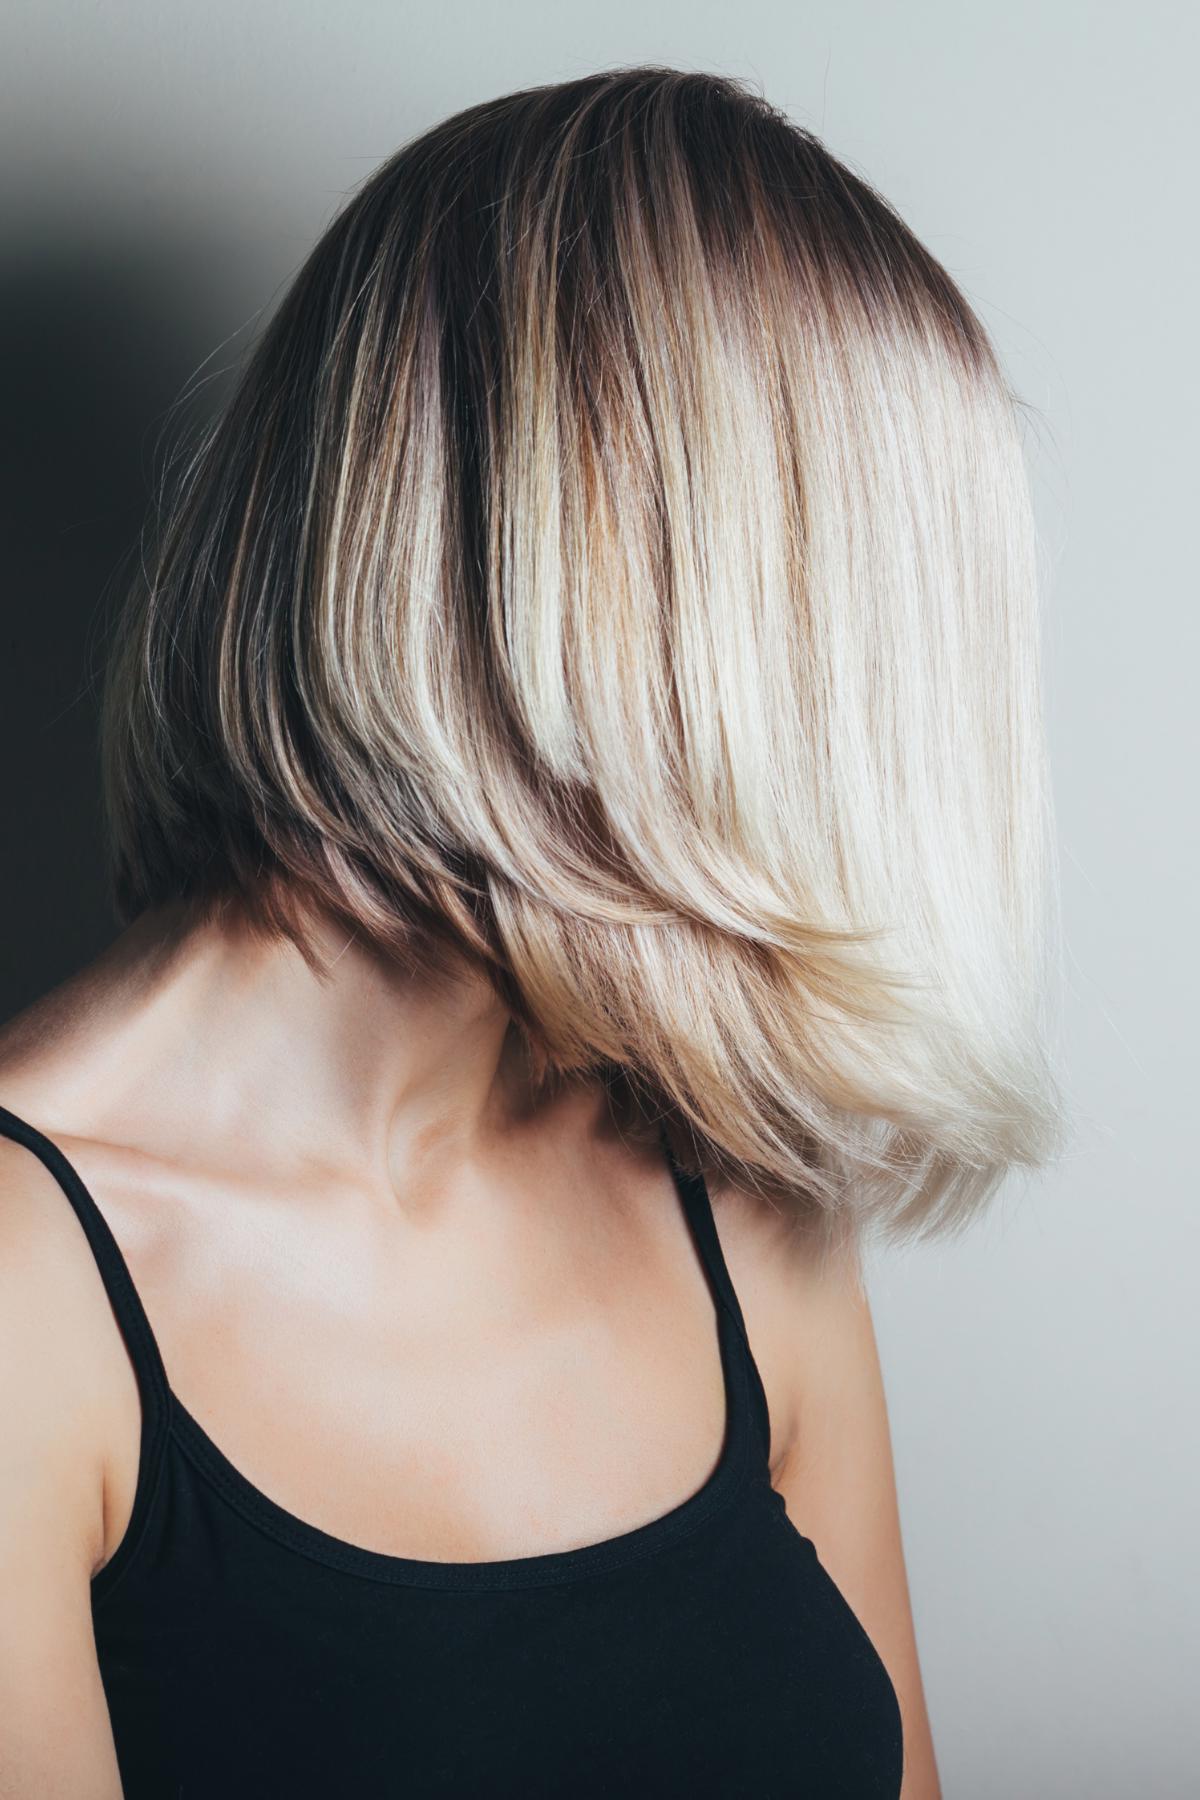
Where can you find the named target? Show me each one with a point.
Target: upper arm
(810, 1324)
(55, 1738)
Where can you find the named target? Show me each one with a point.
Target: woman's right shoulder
(57, 1392)
(64, 1377)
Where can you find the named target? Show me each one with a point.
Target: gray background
(165, 167)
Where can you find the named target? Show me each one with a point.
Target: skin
(386, 1155)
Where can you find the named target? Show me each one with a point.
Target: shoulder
(53, 1396)
(805, 1306)
(62, 1386)
(809, 1320)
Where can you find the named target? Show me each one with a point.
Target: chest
(502, 1391)
(707, 1656)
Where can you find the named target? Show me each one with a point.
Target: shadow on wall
(98, 341)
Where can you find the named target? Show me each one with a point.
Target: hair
(615, 564)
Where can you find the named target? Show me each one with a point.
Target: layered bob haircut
(615, 564)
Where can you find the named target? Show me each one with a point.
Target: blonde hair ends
(616, 564)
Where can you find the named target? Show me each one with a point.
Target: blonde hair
(616, 564)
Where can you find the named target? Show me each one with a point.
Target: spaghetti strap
(119, 1285)
(697, 1202)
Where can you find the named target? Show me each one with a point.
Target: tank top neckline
(166, 1418)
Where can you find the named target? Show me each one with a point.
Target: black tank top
(245, 1652)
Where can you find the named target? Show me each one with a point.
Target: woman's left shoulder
(800, 1297)
(809, 1322)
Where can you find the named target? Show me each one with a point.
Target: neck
(363, 1066)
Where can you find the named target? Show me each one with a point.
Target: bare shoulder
(57, 1391)
(809, 1321)
(62, 1379)
(799, 1301)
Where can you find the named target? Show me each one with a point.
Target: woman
(575, 792)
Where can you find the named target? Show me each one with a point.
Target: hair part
(616, 565)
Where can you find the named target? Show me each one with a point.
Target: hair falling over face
(616, 564)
